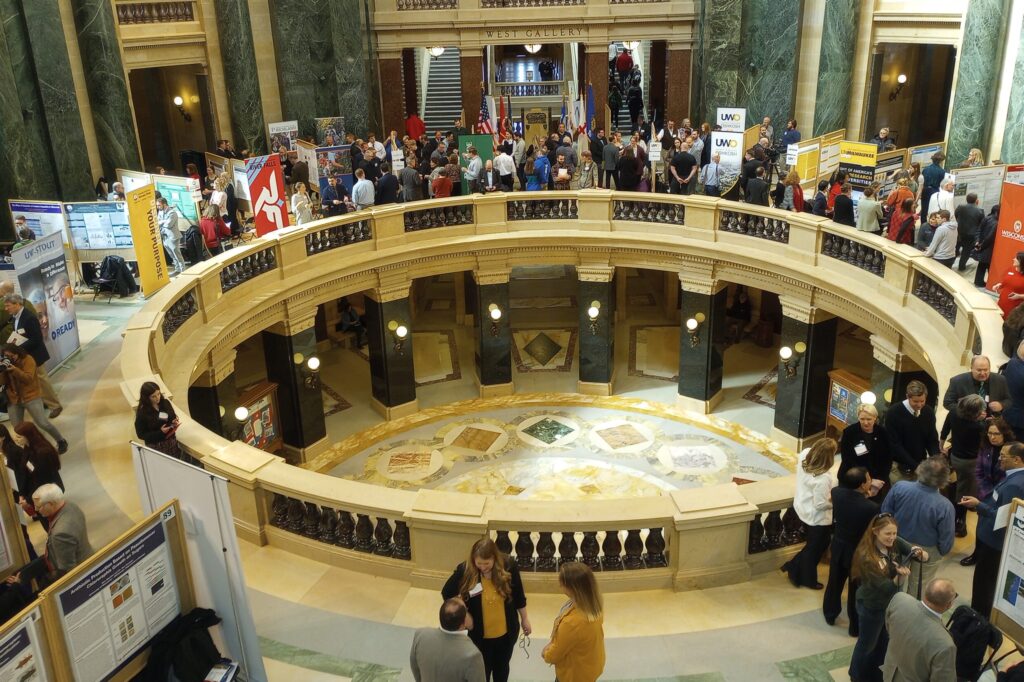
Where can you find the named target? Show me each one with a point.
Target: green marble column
(108, 89)
(60, 106)
(977, 78)
(771, 36)
(241, 75)
(305, 60)
(720, 54)
(15, 153)
(40, 184)
(1013, 136)
(355, 63)
(838, 46)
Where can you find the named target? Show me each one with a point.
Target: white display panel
(99, 225)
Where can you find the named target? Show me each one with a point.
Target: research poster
(922, 154)
(1009, 232)
(283, 136)
(42, 217)
(112, 611)
(241, 181)
(731, 120)
(1010, 580)
(985, 181)
(218, 163)
(330, 132)
(45, 281)
(805, 157)
(829, 160)
(181, 194)
(858, 160)
(20, 656)
(887, 164)
(149, 247)
(1015, 174)
(133, 179)
(99, 225)
(266, 187)
(729, 147)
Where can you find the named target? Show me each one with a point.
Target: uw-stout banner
(44, 280)
(1009, 232)
(266, 189)
(858, 160)
(729, 147)
(283, 136)
(149, 247)
(42, 217)
(731, 120)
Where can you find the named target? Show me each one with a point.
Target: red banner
(266, 189)
(1009, 233)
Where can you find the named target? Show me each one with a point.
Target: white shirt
(505, 165)
(813, 498)
(941, 200)
(378, 149)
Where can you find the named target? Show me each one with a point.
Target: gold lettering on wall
(520, 34)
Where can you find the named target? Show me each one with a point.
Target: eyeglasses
(524, 644)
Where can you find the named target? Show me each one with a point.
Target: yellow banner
(858, 153)
(149, 248)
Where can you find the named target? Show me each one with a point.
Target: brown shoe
(55, 412)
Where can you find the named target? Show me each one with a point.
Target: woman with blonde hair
(219, 197)
(576, 648)
(793, 198)
(489, 583)
(301, 204)
(813, 504)
(974, 159)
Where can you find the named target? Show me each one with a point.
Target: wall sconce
(887, 396)
(790, 363)
(399, 332)
(593, 312)
(533, 49)
(435, 51)
(311, 378)
(868, 398)
(180, 103)
(495, 312)
(241, 416)
(901, 80)
(693, 328)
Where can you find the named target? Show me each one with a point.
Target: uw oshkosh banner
(266, 191)
(149, 246)
(1009, 233)
(44, 280)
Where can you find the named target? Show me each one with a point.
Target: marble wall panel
(720, 31)
(977, 78)
(305, 60)
(802, 400)
(677, 104)
(15, 157)
(392, 378)
(105, 80)
(597, 339)
(1013, 137)
(240, 74)
(767, 80)
(355, 75)
(835, 68)
(301, 408)
(701, 358)
(495, 352)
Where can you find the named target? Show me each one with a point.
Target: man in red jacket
(623, 65)
(414, 126)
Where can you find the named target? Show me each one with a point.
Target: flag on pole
(501, 115)
(565, 114)
(591, 110)
(483, 122)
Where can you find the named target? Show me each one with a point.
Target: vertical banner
(45, 281)
(1009, 233)
(266, 189)
(858, 160)
(283, 136)
(731, 120)
(537, 122)
(729, 147)
(149, 246)
(484, 147)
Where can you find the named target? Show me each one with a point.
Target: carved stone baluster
(524, 551)
(755, 541)
(590, 549)
(567, 548)
(344, 535)
(311, 520)
(611, 548)
(328, 525)
(546, 552)
(655, 548)
(279, 510)
(634, 549)
(773, 529)
(382, 538)
(364, 533)
(403, 547)
(503, 542)
(792, 527)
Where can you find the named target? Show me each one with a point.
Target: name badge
(860, 449)
(477, 589)
(162, 416)
(995, 496)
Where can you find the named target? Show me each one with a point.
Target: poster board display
(886, 164)
(181, 193)
(729, 147)
(133, 179)
(218, 163)
(731, 119)
(330, 132)
(333, 161)
(1008, 608)
(263, 429)
(1009, 233)
(537, 125)
(985, 181)
(241, 180)
(750, 137)
(98, 225)
(24, 651)
(922, 153)
(266, 185)
(283, 136)
(1015, 174)
(843, 400)
(829, 159)
(45, 281)
(42, 217)
(104, 613)
(858, 160)
(485, 148)
(805, 156)
(142, 216)
(306, 151)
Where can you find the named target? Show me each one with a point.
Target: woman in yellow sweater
(577, 639)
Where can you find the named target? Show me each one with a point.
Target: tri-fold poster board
(1008, 607)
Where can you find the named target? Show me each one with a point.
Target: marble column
(108, 88)
(305, 60)
(287, 348)
(494, 354)
(977, 78)
(720, 56)
(892, 370)
(597, 335)
(213, 397)
(677, 101)
(472, 75)
(771, 35)
(392, 98)
(835, 68)
(597, 75)
(15, 152)
(409, 85)
(1013, 137)
(801, 403)
(240, 75)
(657, 70)
(702, 350)
(355, 66)
(392, 379)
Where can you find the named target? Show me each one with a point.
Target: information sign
(45, 281)
(99, 225)
(732, 120)
(858, 160)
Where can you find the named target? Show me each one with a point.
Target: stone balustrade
(530, 3)
(533, 89)
(155, 12)
(426, 5)
(442, 216)
(688, 538)
(853, 252)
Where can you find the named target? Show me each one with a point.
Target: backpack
(972, 634)
(1014, 674)
(185, 647)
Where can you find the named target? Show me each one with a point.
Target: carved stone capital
(595, 273)
(699, 278)
(890, 353)
(803, 309)
(482, 277)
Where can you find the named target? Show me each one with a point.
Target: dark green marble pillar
(305, 60)
(801, 403)
(767, 82)
(212, 401)
(241, 75)
(494, 356)
(1013, 135)
(16, 162)
(597, 336)
(108, 90)
(702, 350)
(978, 77)
(392, 376)
(835, 69)
(355, 64)
(720, 54)
(299, 399)
(63, 118)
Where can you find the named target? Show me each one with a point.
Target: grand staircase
(444, 91)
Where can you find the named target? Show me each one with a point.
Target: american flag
(483, 124)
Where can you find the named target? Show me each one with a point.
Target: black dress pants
(986, 570)
(838, 576)
(803, 568)
(497, 653)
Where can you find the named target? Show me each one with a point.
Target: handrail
(215, 304)
(555, 88)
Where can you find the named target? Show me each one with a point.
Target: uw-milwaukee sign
(524, 33)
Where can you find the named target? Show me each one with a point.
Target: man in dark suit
(993, 511)
(920, 648)
(979, 381)
(387, 186)
(749, 169)
(852, 512)
(27, 333)
(757, 189)
(447, 654)
(842, 211)
(912, 433)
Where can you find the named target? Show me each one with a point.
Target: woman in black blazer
(490, 580)
(865, 443)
